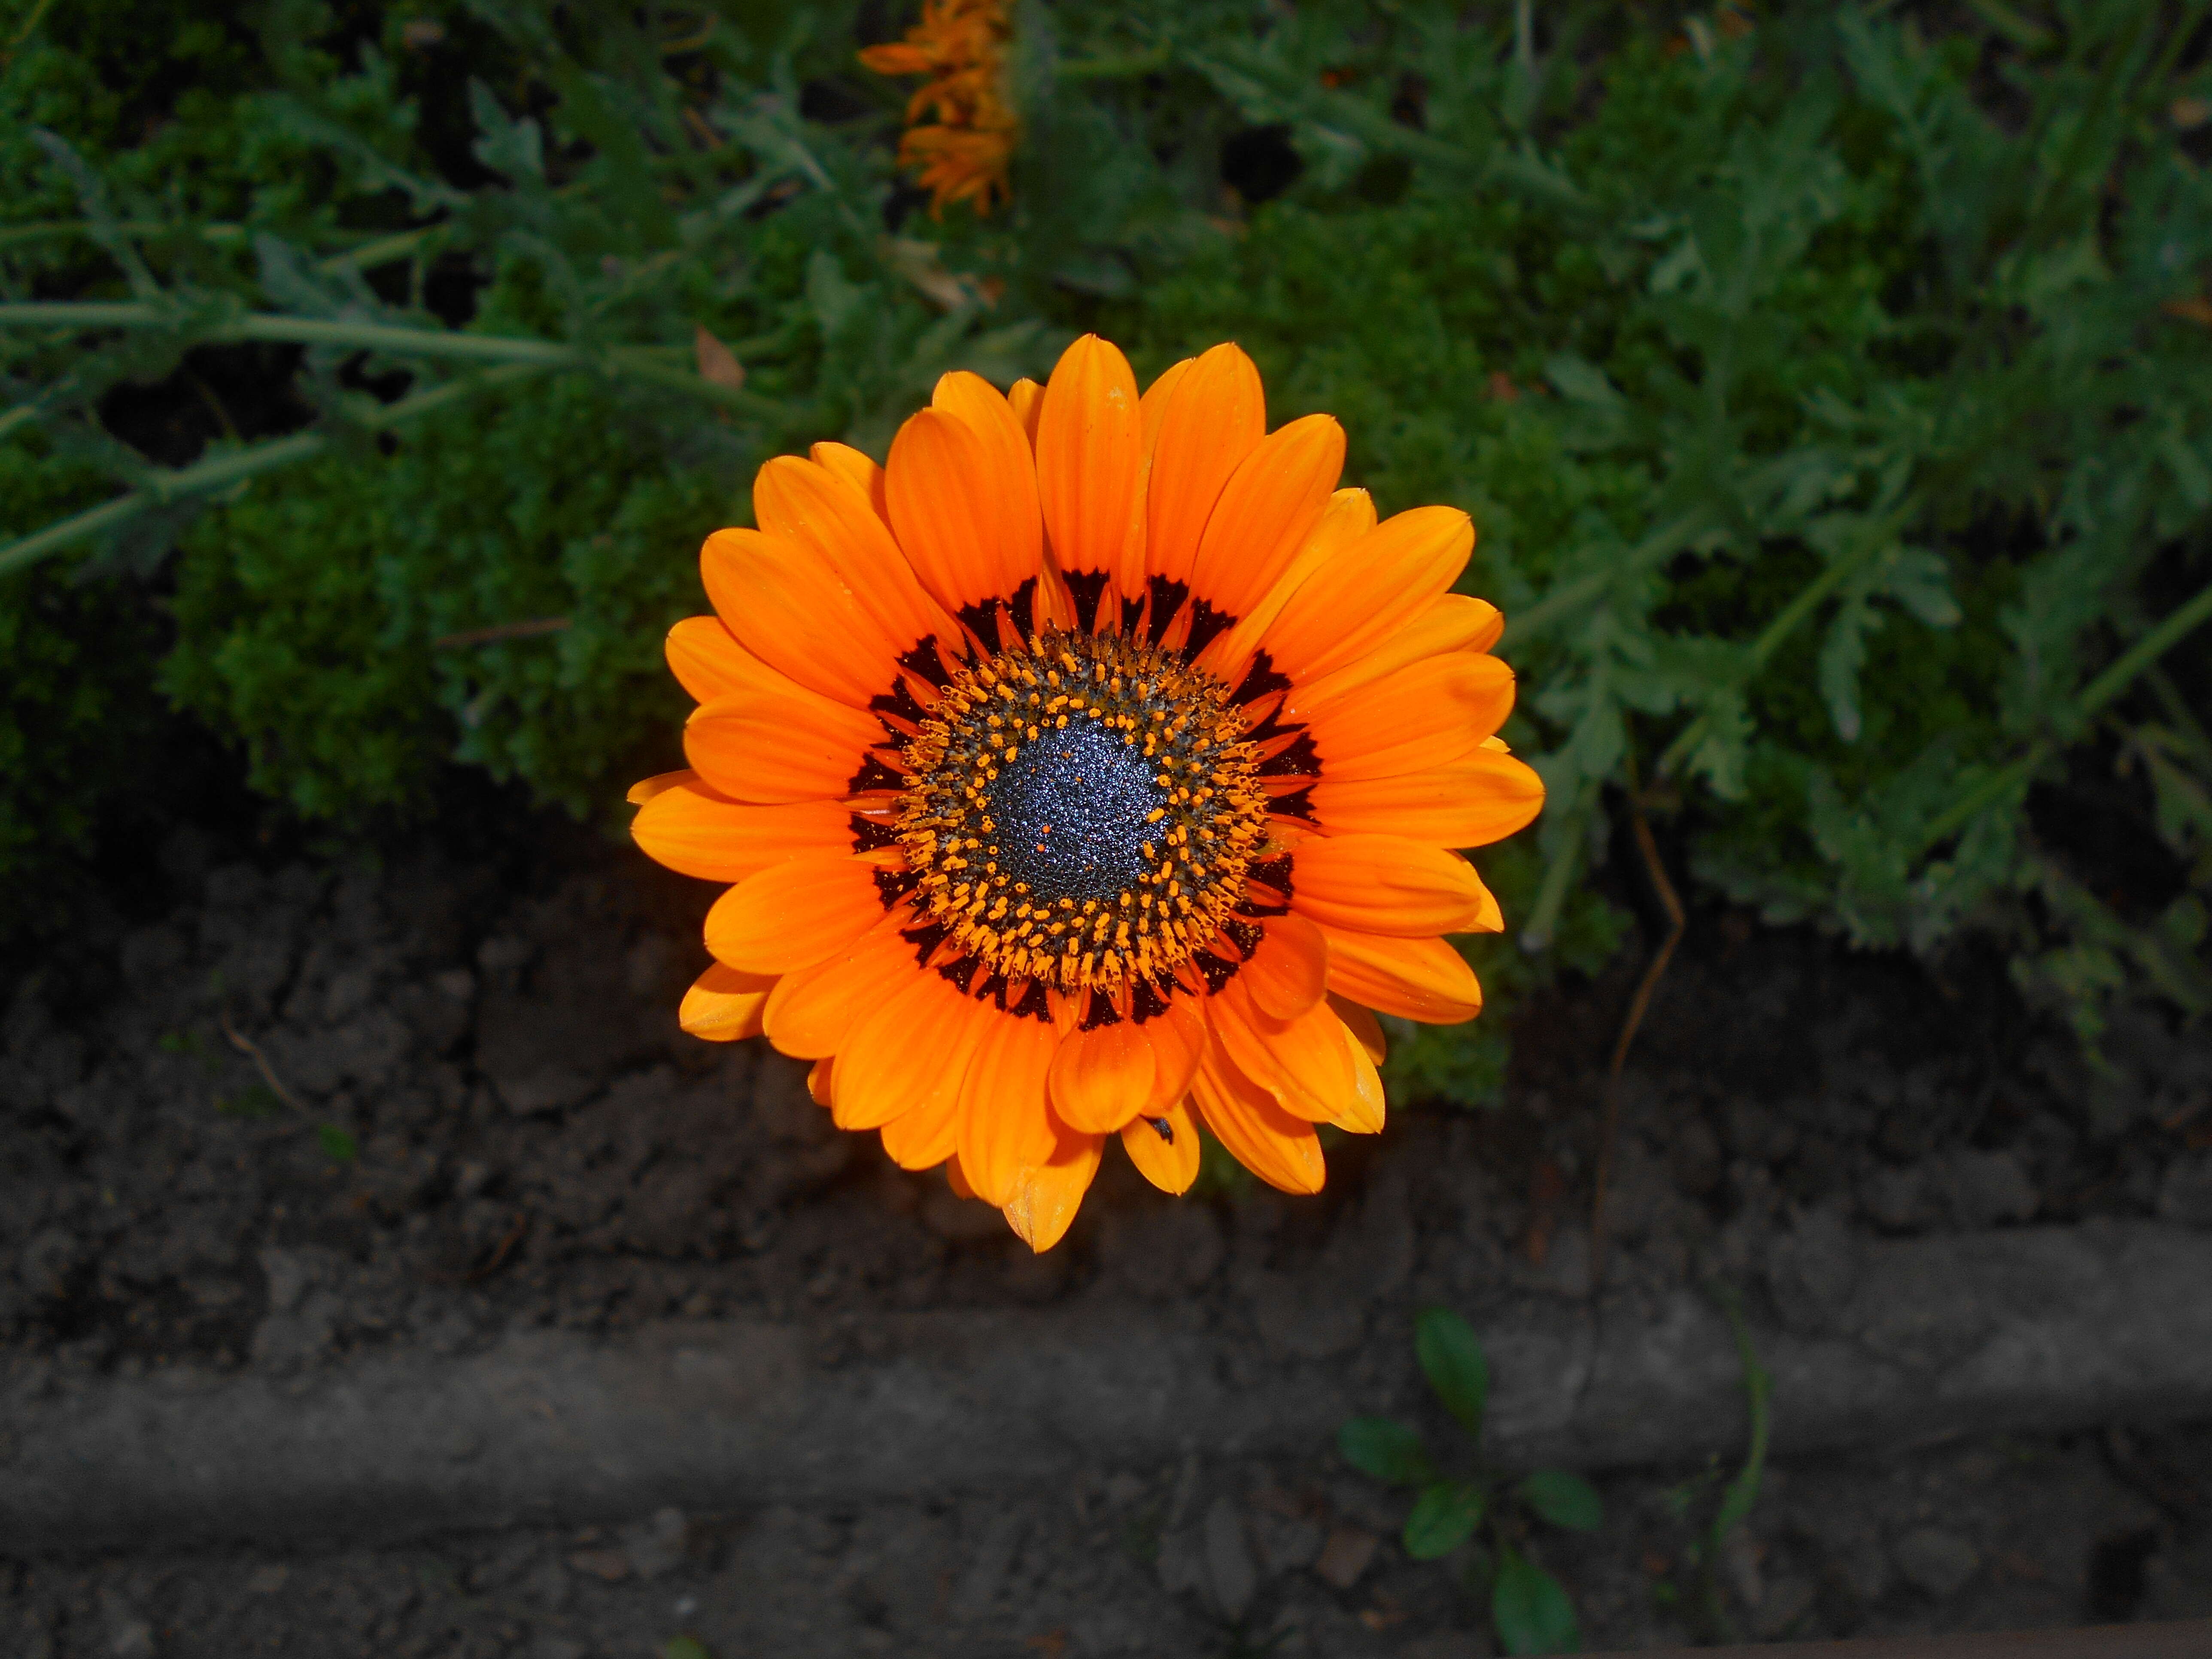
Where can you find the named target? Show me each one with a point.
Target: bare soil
(295, 1114)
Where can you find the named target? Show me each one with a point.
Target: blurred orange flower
(960, 133)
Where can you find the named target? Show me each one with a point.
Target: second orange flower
(961, 150)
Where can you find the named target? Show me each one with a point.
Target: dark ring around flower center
(1081, 811)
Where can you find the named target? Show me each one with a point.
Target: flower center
(1082, 811)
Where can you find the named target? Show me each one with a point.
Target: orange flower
(961, 46)
(1089, 771)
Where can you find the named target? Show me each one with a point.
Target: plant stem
(219, 472)
(2135, 660)
(1650, 554)
(1553, 895)
(1124, 66)
(1876, 538)
(1609, 1130)
(629, 361)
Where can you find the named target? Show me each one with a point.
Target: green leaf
(1529, 1609)
(1388, 1450)
(1451, 1357)
(336, 1143)
(685, 1647)
(1444, 1516)
(1565, 1500)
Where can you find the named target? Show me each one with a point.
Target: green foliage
(1831, 397)
(1725, 1504)
(1452, 1359)
(1529, 1609)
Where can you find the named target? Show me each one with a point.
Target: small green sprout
(256, 1100)
(1529, 1609)
(337, 1146)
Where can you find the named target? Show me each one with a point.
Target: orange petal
(794, 915)
(1012, 485)
(1178, 1038)
(1005, 1124)
(1091, 463)
(709, 662)
(1421, 979)
(1047, 1195)
(1372, 589)
(1266, 513)
(1364, 1025)
(1153, 405)
(927, 1134)
(820, 1083)
(724, 1005)
(658, 784)
(814, 507)
(1104, 1077)
(904, 1059)
(1477, 799)
(1384, 884)
(943, 496)
(696, 832)
(1361, 1112)
(1281, 1150)
(1348, 515)
(1288, 973)
(1025, 397)
(1211, 420)
(707, 658)
(757, 746)
(1428, 714)
(813, 1011)
(1303, 1062)
(790, 609)
(1453, 623)
(856, 468)
(1169, 1159)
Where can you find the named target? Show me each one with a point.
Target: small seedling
(337, 1146)
(255, 1100)
(1529, 1609)
(1707, 1609)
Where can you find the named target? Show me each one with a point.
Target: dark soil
(307, 1111)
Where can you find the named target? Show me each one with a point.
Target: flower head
(1089, 771)
(961, 155)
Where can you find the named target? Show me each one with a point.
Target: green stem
(630, 361)
(382, 250)
(2130, 664)
(1653, 551)
(1125, 66)
(2145, 652)
(34, 547)
(1551, 897)
(1785, 623)
(422, 342)
(2000, 782)
(219, 472)
(76, 314)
